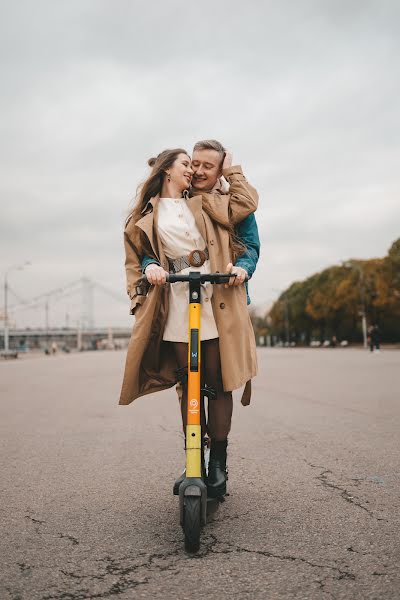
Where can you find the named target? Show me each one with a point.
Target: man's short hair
(210, 145)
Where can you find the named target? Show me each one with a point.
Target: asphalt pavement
(86, 500)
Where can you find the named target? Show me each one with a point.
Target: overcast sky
(305, 93)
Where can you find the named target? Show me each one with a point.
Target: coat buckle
(197, 258)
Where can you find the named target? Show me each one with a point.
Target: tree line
(332, 303)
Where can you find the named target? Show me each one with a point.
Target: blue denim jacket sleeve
(146, 261)
(247, 232)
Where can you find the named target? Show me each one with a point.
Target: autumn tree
(330, 303)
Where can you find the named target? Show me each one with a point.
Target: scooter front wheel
(192, 522)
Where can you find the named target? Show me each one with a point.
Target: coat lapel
(146, 224)
(195, 205)
(158, 244)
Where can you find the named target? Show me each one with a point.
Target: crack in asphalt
(71, 538)
(35, 520)
(126, 569)
(227, 517)
(323, 478)
(38, 523)
(341, 573)
(115, 567)
(351, 549)
(323, 581)
(289, 557)
(344, 493)
(25, 569)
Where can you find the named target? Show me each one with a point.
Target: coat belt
(196, 258)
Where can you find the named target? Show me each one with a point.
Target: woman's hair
(153, 184)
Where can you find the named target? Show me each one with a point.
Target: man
(207, 160)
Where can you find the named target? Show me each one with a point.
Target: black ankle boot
(217, 473)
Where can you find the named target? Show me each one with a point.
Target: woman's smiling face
(181, 172)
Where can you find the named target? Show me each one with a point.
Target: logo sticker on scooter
(193, 406)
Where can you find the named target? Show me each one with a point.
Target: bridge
(67, 339)
(83, 287)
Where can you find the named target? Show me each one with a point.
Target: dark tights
(219, 408)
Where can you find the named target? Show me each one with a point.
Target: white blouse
(180, 235)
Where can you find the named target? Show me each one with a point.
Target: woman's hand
(227, 160)
(241, 275)
(155, 274)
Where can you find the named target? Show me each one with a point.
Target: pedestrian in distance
(375, 338)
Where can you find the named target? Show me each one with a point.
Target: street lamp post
(6, 328)
(353, 265)
(287, 326)
(5, 313)
(363, 312)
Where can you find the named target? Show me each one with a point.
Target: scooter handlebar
(214, 278)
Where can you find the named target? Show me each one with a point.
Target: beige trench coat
(150, 364)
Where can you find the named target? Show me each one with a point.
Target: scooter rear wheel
(191, 523)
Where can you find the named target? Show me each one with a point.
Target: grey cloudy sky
(305, 93)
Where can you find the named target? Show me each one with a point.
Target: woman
(167, 224)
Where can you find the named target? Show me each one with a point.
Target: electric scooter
(193, 489)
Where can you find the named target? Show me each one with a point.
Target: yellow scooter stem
(193, 428)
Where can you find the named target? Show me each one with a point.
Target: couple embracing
(204, 204)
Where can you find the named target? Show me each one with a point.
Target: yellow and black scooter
(193, 489)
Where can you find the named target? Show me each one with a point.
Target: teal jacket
(247, 232)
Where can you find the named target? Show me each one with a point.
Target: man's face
(206, 165)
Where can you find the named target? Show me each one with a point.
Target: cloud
(306, 95)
